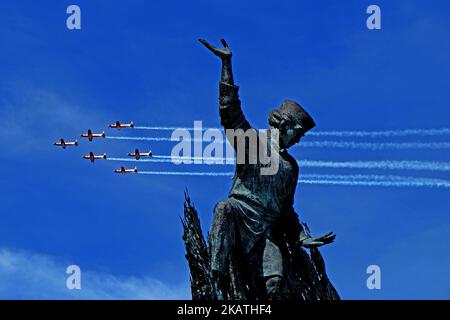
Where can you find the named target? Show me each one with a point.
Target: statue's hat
(295, 112)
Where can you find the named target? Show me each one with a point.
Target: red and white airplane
(92, 157)
(64, 144)
(91, 135)
(119, 125)
(138, 154)
(123, 170)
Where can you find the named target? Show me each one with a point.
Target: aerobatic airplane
(92, 157)
(119, 125)
(64, 144)
(138, 154)
(123, 170)
(91, 135)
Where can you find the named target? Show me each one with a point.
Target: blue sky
(140, 61)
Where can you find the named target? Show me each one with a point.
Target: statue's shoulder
(288, 157)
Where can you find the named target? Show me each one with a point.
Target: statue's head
(292, 121)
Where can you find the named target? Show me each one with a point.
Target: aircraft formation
(92, 157)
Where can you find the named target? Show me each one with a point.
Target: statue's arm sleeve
(230, 111)
(292, 226)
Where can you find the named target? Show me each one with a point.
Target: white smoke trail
(396, 181)
(374, 146)
(175, 128)
(356, 177)
(384, 133)
(409, 183)
(378, 178)
(140, 138)
(140, 160)
(208, 159)
(336, 133)
(382, 164)
(157, 139)
(187, 173)
(176, 160)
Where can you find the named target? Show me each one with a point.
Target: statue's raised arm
(230, 111)
(225, 55)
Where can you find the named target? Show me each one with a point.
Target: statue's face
(290, 134)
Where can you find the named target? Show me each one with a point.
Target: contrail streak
(386, 164)
(378, 178)
(175, 128)
(140, 160)
(158, 139)
(375, 146)
(382, 181)
(384, 133)
(412, 183)
(169, 159)
(356, 177)
(187, 173)
(336, 133)
(231, 160)
(140, 138)
(382, 164)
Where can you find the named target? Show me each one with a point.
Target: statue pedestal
(305, 277)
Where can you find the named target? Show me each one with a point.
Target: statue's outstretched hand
(312, 242)
(223, 53)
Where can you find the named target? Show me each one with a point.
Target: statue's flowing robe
(260, 203)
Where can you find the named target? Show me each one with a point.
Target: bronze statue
(258, 216)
